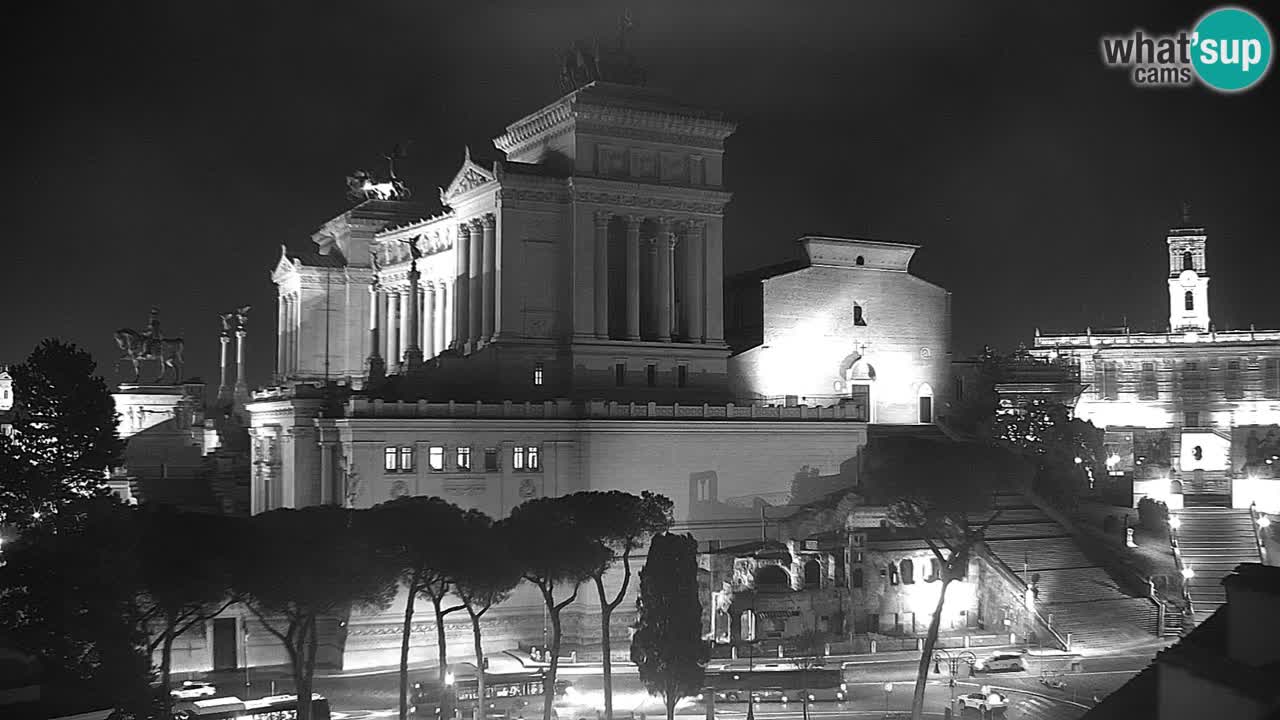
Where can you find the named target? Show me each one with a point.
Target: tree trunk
(481, 699)
(672, 699)
(549, 692)
(926, 654)
(312, 640)
(166, 662)
(404, 650)
(441, 648)
(606, 644)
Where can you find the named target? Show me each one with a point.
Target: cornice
(534, 126)
(649, 197)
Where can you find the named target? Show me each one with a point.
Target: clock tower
(1188, 280)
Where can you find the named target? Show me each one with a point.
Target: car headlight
(784, 698)
(840, 695)
(699, 697)
(844, 686)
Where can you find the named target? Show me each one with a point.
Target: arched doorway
(812, 573)
(772, 578)
(857, 380)
(924, 400)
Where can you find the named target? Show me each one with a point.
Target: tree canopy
(668, 648)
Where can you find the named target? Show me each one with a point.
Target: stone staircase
(1206, 488)
(1075, 594)
(1212, 541)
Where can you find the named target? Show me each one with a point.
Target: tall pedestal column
(405, 326)
(412, 321)
(633, 276)
(224, 390)
(694, 296)
(475, 286)
(242, 385)
(444, 324)
(602, 218)
(461, 290)
(664, 247)
(489, 281)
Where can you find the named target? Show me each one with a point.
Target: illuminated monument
(557, 325)
(1193, 412)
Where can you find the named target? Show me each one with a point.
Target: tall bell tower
(1188, 278)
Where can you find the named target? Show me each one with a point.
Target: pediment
(469, 177)
(284, 266)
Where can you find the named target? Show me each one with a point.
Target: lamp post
(953, 664)
(888, 690)
(245, 653)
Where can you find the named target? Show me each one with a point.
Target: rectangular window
(1148, 389)
(620, 374)
(533, 460)
(464, 458)
(682, 375)
(651, 375)
(1109, 389)
(389, 459)
(517, 458)
(1231, 386)
(1191, 419)
(537, 373)
(406, 459)
(1271, 377)
(435, 458)
(490, 459)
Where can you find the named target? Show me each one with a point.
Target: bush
(1153, 514)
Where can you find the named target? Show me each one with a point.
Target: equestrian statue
(150, 346)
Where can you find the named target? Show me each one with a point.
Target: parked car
(984, 702)
(192, 689)
(1000, 662)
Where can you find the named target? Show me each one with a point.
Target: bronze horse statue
(138, 348)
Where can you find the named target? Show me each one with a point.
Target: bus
(507, 694)
(276, 707)
(780, 686)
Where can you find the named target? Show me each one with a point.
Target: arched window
(925, 402)
(812, 573)
(857, 577)
(859, 261)
(1189, 300)
(1188, 261)
(772, 577)
(908, 572)
(857, 316)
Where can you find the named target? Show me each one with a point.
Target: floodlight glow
(1264, 521)
(1188, 573)
(448, 678)
(1175, 522)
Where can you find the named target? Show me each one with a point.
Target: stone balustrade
(594, 409)
(1176, 338)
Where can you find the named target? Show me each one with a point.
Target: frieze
(615, 117)
(510, 195)
(650, 202)
(465, 487)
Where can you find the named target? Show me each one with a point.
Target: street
(374, 694)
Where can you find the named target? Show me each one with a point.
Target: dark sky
(160, 153)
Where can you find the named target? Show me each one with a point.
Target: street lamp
(1188, 572)
(888, 690)
(1264, 522)
(953, 664)
(1175, 522)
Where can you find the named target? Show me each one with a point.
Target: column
(475, 286)
(633, 276)
(713, 286)
(375, 368)
(405, 325)
(602, 218)
(327, 484)
(444, 328)
(242, 386)
(461, 296)
(429, 320)
(664, 246)
(292, 367)
(282, 326)
(489, 225)
(412, 320)
(694, 300)
(393, 329)
(224, 392)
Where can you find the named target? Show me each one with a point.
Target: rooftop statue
(151, 346)
(361, 185)
(582, 65)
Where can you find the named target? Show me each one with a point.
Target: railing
(1259, 526)
(1017, 581)
(1182, 573)
(1131, 338)
(563, 409)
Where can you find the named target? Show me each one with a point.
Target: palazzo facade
(560, 326)
(1191, 414)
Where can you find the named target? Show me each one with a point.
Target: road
(373, 695)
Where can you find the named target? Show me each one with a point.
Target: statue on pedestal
(137, 348)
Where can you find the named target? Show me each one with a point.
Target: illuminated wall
(853, 318)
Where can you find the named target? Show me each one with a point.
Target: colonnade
(680, 258)
(290, 321)
(406, 317)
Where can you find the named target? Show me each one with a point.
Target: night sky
(160, 153)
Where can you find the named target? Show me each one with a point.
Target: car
(984, 702)
(1000, 662)
(191, 689)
